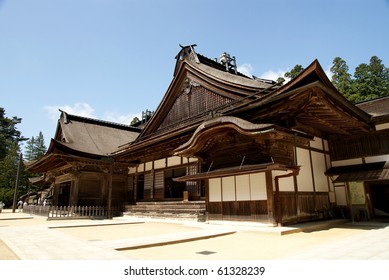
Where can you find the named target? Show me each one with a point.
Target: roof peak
(226, 62)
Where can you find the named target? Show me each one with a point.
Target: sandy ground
(6, 253)
(247, 243)
(244, 244)
(114, 232)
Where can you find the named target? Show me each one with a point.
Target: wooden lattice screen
(188, 105)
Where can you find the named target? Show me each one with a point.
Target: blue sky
(113, 59)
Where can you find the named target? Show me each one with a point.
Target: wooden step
(168, 210)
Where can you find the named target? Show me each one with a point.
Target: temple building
(247, 149)
(78, 163)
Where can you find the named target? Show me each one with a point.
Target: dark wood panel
(159, 191)
(288, 204)
(238, 210)
(322, 201)
(375, 143)
(306, 203)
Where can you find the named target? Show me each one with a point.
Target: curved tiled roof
(92, 136)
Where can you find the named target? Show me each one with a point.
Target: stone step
(160, 215)
(168, 210)
(165, 208)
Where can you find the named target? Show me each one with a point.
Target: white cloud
(274, 75)
(79, 109)
(118, 118)
(245, 69)
(328, 72)
(86, 110)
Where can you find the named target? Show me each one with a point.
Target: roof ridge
(90, 120)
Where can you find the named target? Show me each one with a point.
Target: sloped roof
(196, 77)
(79, 138)
(360, 172)
(210, 75)
(308, 103)
(91, 136)
(378, 108)
(312, 103)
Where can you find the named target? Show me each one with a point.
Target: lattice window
(192, 186)
(193, 103)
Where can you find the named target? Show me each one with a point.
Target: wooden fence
(36, 209)
(67, 212)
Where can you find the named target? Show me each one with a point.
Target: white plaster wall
(285, 184)
(131, 170)
(377, 158)
(243, 187)
(347, 162)
(258, 186)
(141, 167)
(228, 188)
(173, 161)
(340, 193)
(148, 166)
(326, 147)
(321, 182)
(382, 126)
(161, 163)
(304, 179)
(215, 190)
(316, 143)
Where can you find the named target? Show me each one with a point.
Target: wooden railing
(76, 212)
(37, 209)
(68, 212)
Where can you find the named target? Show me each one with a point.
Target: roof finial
(229, 62)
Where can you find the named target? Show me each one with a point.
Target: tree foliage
(340, 76)
(8, 132)
(134, 121)
(297, 69)
(369, 81)
(35, 147)
(10, 138)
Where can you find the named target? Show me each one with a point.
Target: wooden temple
(78, 163)
(249, 148)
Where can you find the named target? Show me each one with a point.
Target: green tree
(341, 77)
(280, 80)
(370, 81)
(10, 137)
(8, 132)
(297, 69)
(35, 147)
(134, 121)
(8, 169)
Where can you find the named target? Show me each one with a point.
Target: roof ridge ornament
(188, 52)
(229, 62)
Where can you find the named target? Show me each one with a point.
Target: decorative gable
(194, 100)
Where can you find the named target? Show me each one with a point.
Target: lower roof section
(360, 172)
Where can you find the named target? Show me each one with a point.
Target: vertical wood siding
(199, 100)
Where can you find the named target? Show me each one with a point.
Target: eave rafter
(323, 112)
(313, 110)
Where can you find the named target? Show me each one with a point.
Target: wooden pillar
(313, 178)
(270, 198)
(110, 190)
(349, 202)
(206, 182)
(55, 193)
(74, 188)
